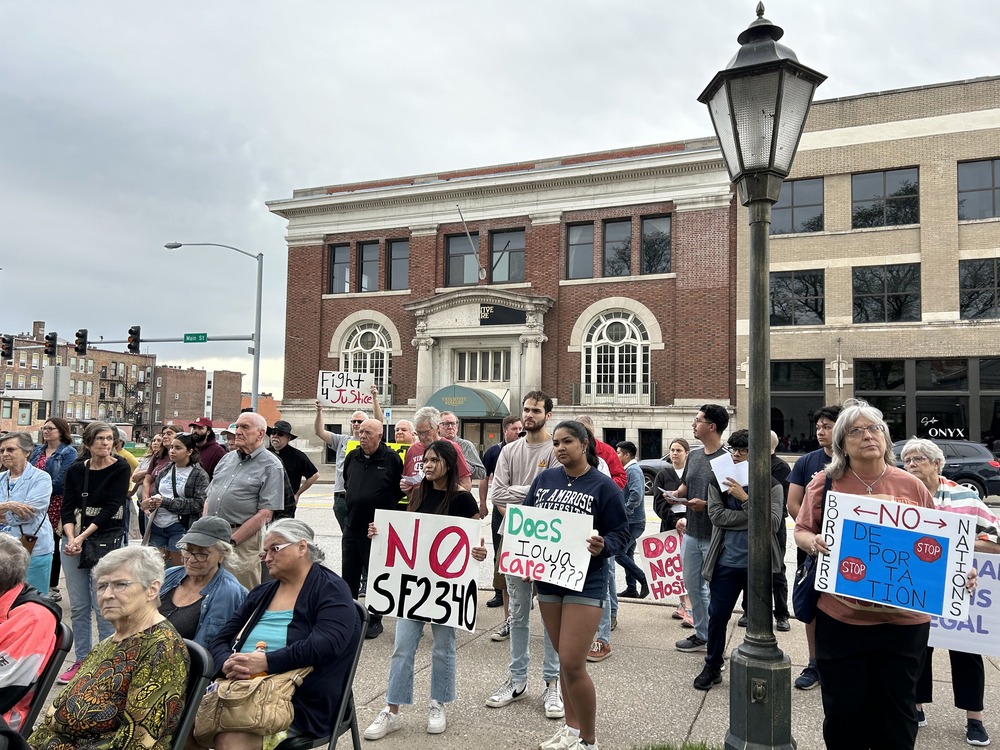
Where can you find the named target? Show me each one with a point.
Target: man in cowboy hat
(302, 473)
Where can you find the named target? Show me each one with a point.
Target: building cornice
(479, 296)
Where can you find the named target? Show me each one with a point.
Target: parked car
(970, 464)
(650, 468)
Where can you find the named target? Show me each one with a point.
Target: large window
(979, 288)
(507, 256)
(616, 359)
(885, 199)
(367, 266)
(580, 251)
(399, 265)
(618, 248)
(797, 298)
(799, 207)
(482, 366)
(886, 294)
(340, 269)
(368, 349)
(796, 395)
(655, 256)
(979, 189)
(461, 260)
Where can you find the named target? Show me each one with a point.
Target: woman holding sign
(438, 492)
(571, 617)
(924, 460)
(869, 656)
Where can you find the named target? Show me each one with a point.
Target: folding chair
(199, 676)
(64, 642)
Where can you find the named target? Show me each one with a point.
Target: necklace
(570, 480)
(866, 484)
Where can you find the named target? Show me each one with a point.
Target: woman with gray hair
(304, 617)
(869, 655)
(200, 595)
(25, 492)
(129, 691)
(924, 460)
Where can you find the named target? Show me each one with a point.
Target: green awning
(470, 403)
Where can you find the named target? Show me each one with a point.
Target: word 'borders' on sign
(546, 545)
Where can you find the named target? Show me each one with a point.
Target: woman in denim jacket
(54, 456)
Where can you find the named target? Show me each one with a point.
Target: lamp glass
(754, 101)
(795, 100)
(718, 107)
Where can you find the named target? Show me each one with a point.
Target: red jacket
(610, 456)
(27, 640)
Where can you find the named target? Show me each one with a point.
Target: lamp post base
(760, 701)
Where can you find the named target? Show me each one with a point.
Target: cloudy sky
(126, 125)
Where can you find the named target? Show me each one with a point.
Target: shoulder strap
(173, 480)
(826, 488)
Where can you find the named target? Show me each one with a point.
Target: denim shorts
(573, 598)
(166, 536)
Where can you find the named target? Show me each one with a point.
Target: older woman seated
(129, 691)
(200, 596)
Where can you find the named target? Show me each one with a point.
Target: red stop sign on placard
(927, 549)
(853, 569)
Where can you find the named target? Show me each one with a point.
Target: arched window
(616, 359)
(368, 348)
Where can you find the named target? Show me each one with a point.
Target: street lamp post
(758, 106)
(259, 257)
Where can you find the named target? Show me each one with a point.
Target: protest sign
(399, 448)
(660, 558)
(344, 389)
(896, 555)
(546, 545)
(979, 632)
(421, 568)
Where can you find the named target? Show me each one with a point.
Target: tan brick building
(884, 264)
(181, 395)
(603, 279)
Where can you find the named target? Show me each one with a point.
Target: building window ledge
(518, 285)
(618, 279)
(355, 295)
(987, 220)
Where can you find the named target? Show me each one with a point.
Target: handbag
(100, 543)
(804, 593)
(28, 541)
(261, 705)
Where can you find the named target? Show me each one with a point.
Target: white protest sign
(724, 467)
(660, 558)
(421, 568)
(346, 389)
(979, 632)
(546, 545)
(896, 555)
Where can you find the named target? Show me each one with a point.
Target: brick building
(181, 395)
(885, 278)
(587, 276)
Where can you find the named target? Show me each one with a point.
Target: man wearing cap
(209, 450)
(302, 473)
(248, 486)
(229, 435)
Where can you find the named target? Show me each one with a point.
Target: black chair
(64, 642)
(199, 676)
(347, 717)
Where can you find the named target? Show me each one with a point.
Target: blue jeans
(726, 586)
(408, 635)
(83, 600)
(610, 606)
(520, 614)
(166, 537)
(693, 554)
(626, 558)
(38, 572)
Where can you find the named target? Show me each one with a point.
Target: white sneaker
(552, 699)
(507, 693)
(503, 632)
(561, 740)
(385, 722)
(436, 722)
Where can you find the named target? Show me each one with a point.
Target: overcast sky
(126, 125)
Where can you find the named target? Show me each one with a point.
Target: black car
(650, 468)
(969, 464)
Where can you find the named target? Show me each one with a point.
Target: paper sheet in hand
(723, 467)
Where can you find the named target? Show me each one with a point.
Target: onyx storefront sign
(498, 315)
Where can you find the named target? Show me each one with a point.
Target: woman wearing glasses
(869, 656)
(307, 618)
(54, 457)
(200, 595)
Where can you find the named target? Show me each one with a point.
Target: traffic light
(81, 341)
(7, 347)
(134, 339)
(51, 343)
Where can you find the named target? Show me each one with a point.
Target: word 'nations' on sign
(344, 388)
(546, 545)
(979, 632)
(660, 557)
(898, 555)
(421, 568)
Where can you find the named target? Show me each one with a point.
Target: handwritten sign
(979, 632)
(546, 545)
(421, 568)
(660, 558)
(345, 389)
(896, 555)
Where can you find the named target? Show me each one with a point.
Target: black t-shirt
(463, 505)
(297, 465)
(184, 619)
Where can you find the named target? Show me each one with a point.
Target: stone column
(425, 367)
(531, 344)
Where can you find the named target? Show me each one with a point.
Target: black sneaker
(691, 643)
(374, 630)
(782, 625)
(709, 676)
(496, 601)
(975, 733)
(643, 590)
(628, 594)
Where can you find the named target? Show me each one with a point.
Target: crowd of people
(219, 558)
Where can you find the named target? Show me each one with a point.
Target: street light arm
(176, 245)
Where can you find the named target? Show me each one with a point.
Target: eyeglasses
(857, 432)
(117, 587)
(741, 452)
(448, 424)
(424, 433)
(915, 460)
(48, 429)
(700, 421)
(196, 556)
(274, 549)
(9, 450)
